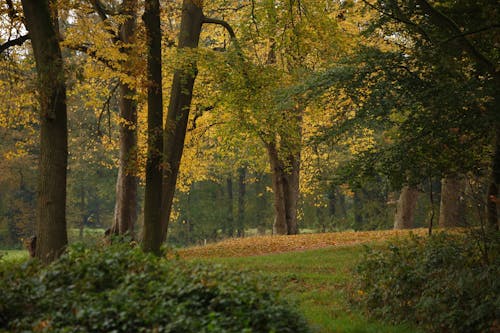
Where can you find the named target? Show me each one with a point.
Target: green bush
(445, 283)
(120, 289)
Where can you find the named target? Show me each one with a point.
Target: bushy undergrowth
(445, 283)
(120, 289)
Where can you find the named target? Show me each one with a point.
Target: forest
(137, 127)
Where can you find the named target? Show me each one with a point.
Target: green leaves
(121, 289)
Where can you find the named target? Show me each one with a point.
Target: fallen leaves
(261, 245)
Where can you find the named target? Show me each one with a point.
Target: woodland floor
(315, 271)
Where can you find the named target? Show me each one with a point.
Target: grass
(315, 271)
(319, 281)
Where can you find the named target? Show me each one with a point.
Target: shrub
(119, 289)
(445, 283)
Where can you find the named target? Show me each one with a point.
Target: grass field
(319, 281)
(315, 271)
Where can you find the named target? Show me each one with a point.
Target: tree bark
(51, 207)
(152, 231)
(452, 206)
(241, 202)
(230, 214)
(291, 190)
(280, 226)
(178, 110)
(492, 203)
(125, 216)
(405, 209)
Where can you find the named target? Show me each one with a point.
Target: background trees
(356, 100)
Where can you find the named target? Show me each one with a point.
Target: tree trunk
(51, 207)
(125, 216)
(492, 203)
(358, 211)
(178, 110)
(280, 226)
(230, 215)
(405, 209)
(241, 201)
(291, 190)
(83, 216)
(126, 183)
(152, 232)
(452, 206)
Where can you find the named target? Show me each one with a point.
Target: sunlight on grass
(319, 282)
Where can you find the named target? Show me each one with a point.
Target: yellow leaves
(362, 142)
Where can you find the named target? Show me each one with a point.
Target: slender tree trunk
(492, 203)
(452, 206)
(230, 214)
(178, 110)
(51, 208)
(358, 211)
(291, 190)
(83, 216)
(241, 201)
(405, 209)
(152, 231)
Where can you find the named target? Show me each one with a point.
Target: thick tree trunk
(285, 184)
(126, 183)
(178, 110)
(452, 206)
(241, 202)
(152, 231)
(405, 209)
(51, 207)
(280, 226)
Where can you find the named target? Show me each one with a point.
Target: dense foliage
(121, 289)
(446, 283)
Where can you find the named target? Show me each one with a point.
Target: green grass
(13, 255)
(319, 282)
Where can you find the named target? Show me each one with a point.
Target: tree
(41, 21)
(452, 207)
(153, 234)
(405, 211)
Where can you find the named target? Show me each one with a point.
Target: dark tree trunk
(291, 190)
(51, 203)
(452, 206)
(83, 216)
(126, 184)
(178, 110)
(492, 203)
(405, 210)
(241, 201)
(51, 208)
(152, 231)
(358, 211)
(230, 214)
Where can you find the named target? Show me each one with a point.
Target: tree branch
(223, 23)
(443, 21)
(13, 42)
(99, 8)
(92, 53)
